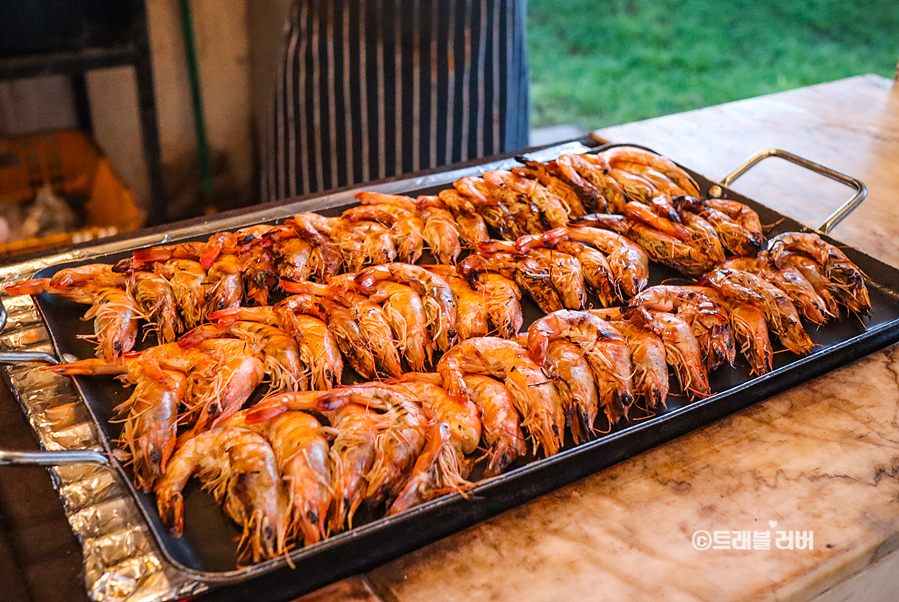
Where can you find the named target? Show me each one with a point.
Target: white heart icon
(772, 523)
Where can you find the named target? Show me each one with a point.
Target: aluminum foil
(122, 560)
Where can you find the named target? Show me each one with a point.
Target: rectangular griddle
(207, 550)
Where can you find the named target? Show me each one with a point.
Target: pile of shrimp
(451, 379)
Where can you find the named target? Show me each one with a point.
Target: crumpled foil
(122, 560)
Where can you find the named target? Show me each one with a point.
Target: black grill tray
(207, 549)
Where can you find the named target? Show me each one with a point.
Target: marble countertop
(822, 457)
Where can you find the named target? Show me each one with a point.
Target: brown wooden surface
(581, 542)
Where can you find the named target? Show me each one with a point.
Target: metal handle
(837, 216)
(52, 458)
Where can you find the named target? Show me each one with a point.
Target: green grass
(604, 62)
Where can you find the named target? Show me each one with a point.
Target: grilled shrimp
(534, 396)
(848, 281)
(352, 452)
(671, 251)
(789, 280)
(184, 250)
(572, 204)
(303, 456)
(574, 380)
(318, 352)
(150, 413)
(316, 230)
(604, 348)
(435, 291)
(239, 468)
(279, 349)
(156, 300)
(780, 312)
(708, 319)
(471, 310)
(597, 272)
(733, 236)
(663, 165)
(223, 386)
(636, 188)
(114, 311)
(350, 337)
(590, 198)
(94, 274)
(628, 262)
(812, 272)
(502, 299)
(472, 227)
(566, 275)
(531, 272)
(440, 230)
(682, 350)
(363, 243)
(224, 284)
(399, 443)
(369, 317)
(647, 354)
(751, 331)
(586, 169)
(548, 204)
(186, 279)
(442, 465)
(406, 225)
(404, 310)
(661, 184)
(745, 217)
(499, 422)
(494, 212)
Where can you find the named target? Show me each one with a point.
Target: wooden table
(822, 457)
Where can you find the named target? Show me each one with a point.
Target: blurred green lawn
(603, 62)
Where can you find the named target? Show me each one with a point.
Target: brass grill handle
(837, 216)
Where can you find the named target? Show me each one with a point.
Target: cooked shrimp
(155, 298)
(534, 396)
(531, 272)
(661, 184)
(733, 236)
(350, 337)
(812, 272)
(780, 312)
(594, 173)
(604, 348)
(316, 230)
(597, 272)
(405, 311)
(406, 225)
(628, 262)
(708, 319)
(647, 354)
(238, 467)
(499, 422)
(572, 204)
(574, 380)
(502, 299)
(425, 478)
(742, 215)
(547, 203)
(681, 256)
(186, 279)
(353, 450)
(849, 281)
(225, 285)
(636, 188)
(303, 456)
(789, 280)
(471, 310)
(435, 291)
(440, 230)
(184, 250)
(663, 165)
(682, 350)
(223, 386)
(114, 311)
(279, 349)
(95, 274)
(369, 317)
(150, 413)
(566, 275)
(590, 198)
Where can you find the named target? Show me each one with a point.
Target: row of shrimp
(296, 467)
